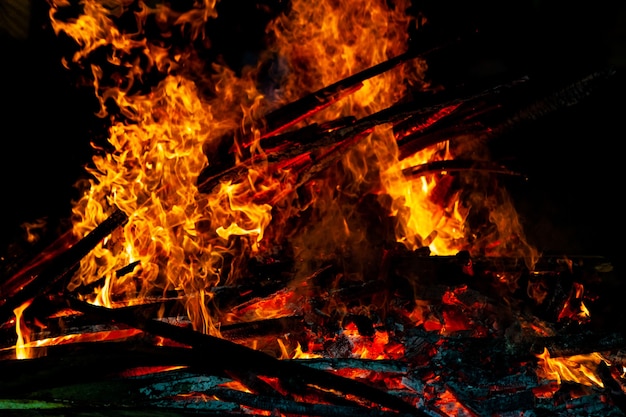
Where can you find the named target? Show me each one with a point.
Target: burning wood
(33, 281)
(458, 367)
(350, 252)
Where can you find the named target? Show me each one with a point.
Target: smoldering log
(267, 327)
(580, 342)
(474, 350)
(43, 311)
(299, 408)
(85, 383)
(587, 405)
(375, 365)
(83, 363)
(490, 402)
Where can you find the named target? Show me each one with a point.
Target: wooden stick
(27, 269)
(456, 165)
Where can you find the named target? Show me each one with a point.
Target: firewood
(494, 112)
(322, 138)
(453, 165)
(241, 359)
(51, 326)
(374, 365)
(550, 99)
(22, 269)
(491, 403)
(77, 363)
(62, 264)
(267, 327)
(580, 342)
(290, 114)
(85, 384)
(587, 405)
(299, 408)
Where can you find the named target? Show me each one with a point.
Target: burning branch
(290, 114)
(59, 268)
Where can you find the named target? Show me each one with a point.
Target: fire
(174, 110)
(182, 239)
(21, 351)
(172, 114)
(578, 368)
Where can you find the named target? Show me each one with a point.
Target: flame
(299, 354)
(281, 304)
(169, 109)
(578, 368)
(23, 333)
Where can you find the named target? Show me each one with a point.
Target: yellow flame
(578, 368)
(20, 351)
(23, 348)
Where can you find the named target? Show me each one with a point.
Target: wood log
(287, 406)
(321, 138)
(53, 326)
(73, 375)
(267, 327)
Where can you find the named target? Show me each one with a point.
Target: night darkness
(570, 203)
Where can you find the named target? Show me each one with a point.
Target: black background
(571, 202)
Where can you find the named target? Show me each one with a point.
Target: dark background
(571, 202)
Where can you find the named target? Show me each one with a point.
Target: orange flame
(166, 106)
